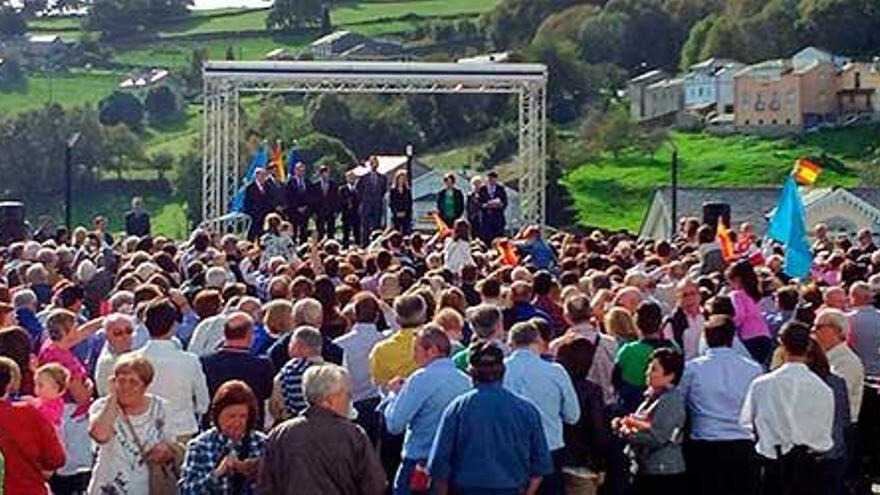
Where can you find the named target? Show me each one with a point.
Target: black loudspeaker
(713, 211)
(12, 226)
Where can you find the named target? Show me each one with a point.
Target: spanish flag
(508, 253)
(442, 228)
(277, 162)
(806, 172)
(723, 236)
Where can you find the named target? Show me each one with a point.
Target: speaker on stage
(12, 226)
(713, 211)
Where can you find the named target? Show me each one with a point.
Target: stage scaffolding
(226, 81)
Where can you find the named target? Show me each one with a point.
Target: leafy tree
(513, 23)
(194, 74)
(567, 83)
(692, 49)
(230, 53)
(188, 182)
(122, 17)
(162, 163)
(651, 37)
(849, 27)
(321, 149)
(12, 23)
(122, 107)
(124, 148)
(293, 14)
(564, 26)
(163, 105)
(610, 131)
(601, 38)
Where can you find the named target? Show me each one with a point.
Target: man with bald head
(835, 298)
(234, 361)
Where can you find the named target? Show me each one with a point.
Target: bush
(163, 105)
(122, 107)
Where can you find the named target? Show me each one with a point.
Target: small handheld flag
(442, 228)
(508, 253)
(723, 235)
(278, 162)
(806, 172)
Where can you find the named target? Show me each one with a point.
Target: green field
(614, 192)
(71, 89)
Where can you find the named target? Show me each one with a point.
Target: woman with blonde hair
(619, 323)
(400, 201)
(274, 243)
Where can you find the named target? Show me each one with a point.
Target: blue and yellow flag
(788, 227)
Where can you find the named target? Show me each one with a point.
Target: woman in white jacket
(457, 249)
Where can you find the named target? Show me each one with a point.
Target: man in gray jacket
(371, 189)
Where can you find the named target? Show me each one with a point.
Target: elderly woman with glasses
(226, 458)
(118, 329)
(131, 430)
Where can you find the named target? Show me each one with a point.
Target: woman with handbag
(137, 454)
(225, 459)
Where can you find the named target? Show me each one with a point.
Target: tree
(601, 38)
(122, 107)
(188, 182)
(565, 25)
(122, 17)
(692, 48)
(194, 74)
(162, 162)
(566, 87)
(849, 27)
(230, 53)
(124, 148)
(163, 105)
(513, 23)
(610, 131)
(293, 14)
(12, 23)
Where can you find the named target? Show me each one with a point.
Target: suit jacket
(458, 209)
(298, 196)
(349, 202)
(324, 205)
(371, 190)
(257, 203)
(137, 223)
(492, 219)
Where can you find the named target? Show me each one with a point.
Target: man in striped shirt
(287, 395)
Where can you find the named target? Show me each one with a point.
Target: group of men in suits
(359, 202)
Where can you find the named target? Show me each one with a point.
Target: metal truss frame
(226, 81)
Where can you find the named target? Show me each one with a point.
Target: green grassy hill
(614, 192)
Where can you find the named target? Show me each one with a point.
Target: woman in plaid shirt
(225, 459)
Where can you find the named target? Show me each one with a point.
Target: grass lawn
(614, 192)
(72, 89)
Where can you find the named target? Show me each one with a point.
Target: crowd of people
(407, 363)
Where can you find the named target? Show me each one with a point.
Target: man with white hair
(830, 330)
(340, 459)
(287, 398)
(118, 330)
(306, 312)
(864, 339)
(629, 298)
(25, 303)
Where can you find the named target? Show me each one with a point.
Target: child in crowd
(50, 385)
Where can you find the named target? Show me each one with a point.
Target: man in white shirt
(208, 334)
(830, 331)
(791, 412)
(685, 325)
(179, 377)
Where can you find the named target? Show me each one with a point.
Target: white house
(811, 54)
(711, 82)
(843, 210)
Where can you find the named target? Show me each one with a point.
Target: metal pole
(409, 176)
(674, 219)
(67, 185)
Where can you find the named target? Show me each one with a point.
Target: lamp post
(674, 179)
(409, 177)
(68, 179)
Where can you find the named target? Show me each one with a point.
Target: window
(858, 81)
(760, 121)
(787, 121)
(759, 103)
(775, 122)
(747, 122)
(745, 100)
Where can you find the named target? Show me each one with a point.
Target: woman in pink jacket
(750, 324)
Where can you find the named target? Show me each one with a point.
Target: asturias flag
(261, 159)
(788, 227)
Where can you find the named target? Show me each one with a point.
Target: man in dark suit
(325, 203)
(493, 202)
(371, 189)
(137, 220)
(257, 203)
(350, 208)
(298, 202)
(450, 201)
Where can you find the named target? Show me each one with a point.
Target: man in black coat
(493, 202)
(298, 202)
(325, 203)
(137, 220)
(450, 201)
(350, 209)
(257, 203)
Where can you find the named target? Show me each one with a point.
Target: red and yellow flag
(508, 253)
(276, 162)
(442, 228)
(723, 236)
(806, 172)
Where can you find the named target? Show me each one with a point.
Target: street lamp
(409, 177)
(68, 180)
